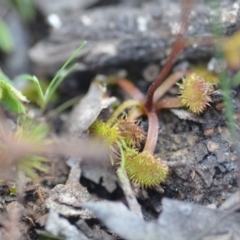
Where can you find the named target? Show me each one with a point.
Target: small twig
(39, 194)
(75, 171)
(128, 192)
(230, 202)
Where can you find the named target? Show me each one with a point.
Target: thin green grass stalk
(48, 95)
(223, 79)
(63, 72)
(123, 161)
(235, 81)
(224, 85)
(57, 78)
(66, 105)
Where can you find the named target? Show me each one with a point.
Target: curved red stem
(152, 135)
(178, 46)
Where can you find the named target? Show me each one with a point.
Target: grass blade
(57, 78)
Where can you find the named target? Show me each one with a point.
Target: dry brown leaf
(88, 109)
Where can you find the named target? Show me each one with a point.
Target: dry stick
(75, 171)
(178, 46)
(129, 194)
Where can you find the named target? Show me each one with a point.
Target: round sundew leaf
(145, 169)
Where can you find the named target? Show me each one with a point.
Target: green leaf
(11, 98)
(6, 43)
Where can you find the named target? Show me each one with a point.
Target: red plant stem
(130, 89)
(152, 135)
(178, 46)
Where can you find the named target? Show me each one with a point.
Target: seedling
(141, 166)
(27, 130)
(195, 94)
(46, 97)
(125, 135)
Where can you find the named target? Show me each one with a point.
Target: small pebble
(212, 146)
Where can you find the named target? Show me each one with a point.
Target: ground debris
(61, 227)
(178, 221)
(120, 220)
(210, 171)
(119, 37)
(186, 221)
(67, 200)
